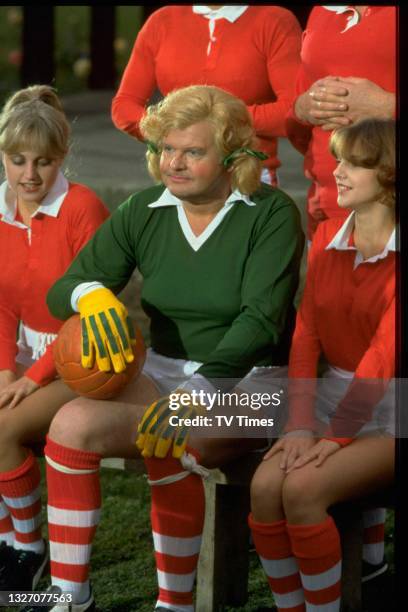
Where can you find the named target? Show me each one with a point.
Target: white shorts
(332, 387)
(168, 374)
(32, 344)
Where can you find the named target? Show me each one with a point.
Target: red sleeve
(87, 217)
(138, 81)
(299, 132)
(43, 370)
(370, 381)
(8, 338)
(283, 35)
(305, 349)
(88, 213)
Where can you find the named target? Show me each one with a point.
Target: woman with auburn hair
(44, 221)
(339, 441)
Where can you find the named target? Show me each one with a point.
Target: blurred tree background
(72, 47)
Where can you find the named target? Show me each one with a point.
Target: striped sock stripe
(273, 546)
(73, 514)
(176, 546)
(179, 565)
(6, 525)
(177, 517)
(21, 494)
(317, 549)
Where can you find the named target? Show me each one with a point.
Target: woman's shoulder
(82, 198)
(272, 15)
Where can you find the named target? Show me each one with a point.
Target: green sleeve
(269, 284)
(109, 258)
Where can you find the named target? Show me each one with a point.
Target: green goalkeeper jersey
(228, 304)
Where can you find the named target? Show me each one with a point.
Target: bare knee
(266, 493)
(8, 433)
(303, 496)
(74, 424)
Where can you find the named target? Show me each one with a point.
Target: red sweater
(348, 315)
(366, 50)
(29, 270)
(255, 58)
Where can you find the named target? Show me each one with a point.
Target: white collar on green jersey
(168, 199)
(50, 205)
(231, 13)
(341, 240)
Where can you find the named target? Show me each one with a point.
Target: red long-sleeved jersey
(348, 314)
(366, 50)
(255, 58)
(32, 261)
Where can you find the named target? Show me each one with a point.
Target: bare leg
(266, 491)
(29, 422)
(105, 427)
(357, 470)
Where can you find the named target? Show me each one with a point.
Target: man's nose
(177, 160)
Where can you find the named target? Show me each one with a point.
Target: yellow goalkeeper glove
(107, 334)
(156, 434)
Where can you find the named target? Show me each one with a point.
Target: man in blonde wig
(219, 253)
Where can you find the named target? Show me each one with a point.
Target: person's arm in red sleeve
(138, 81)
(283, 60)
(305, 349)
(86, 219)
(8, 338)
(370, 382)
(299, 132)
(43, 370)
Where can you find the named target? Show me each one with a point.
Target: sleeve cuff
(342, 441)
(81, 290)
(201, 386)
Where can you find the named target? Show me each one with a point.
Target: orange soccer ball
(92, 382)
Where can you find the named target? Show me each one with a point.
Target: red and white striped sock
(274, 549)
(177, 517)
(74, 502)
(318, 552)
(373, 535)
(6, 525)
(20, 490)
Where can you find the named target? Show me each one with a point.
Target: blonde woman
(44, 222)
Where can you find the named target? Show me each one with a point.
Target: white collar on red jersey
(341, 241)
(50, 205)
(231, 13)
(352, 19)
